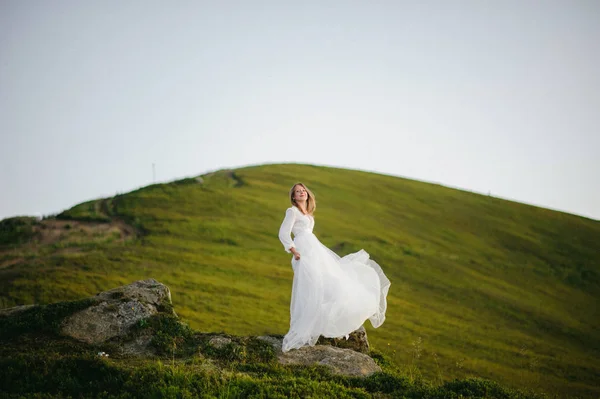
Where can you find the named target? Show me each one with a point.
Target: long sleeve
(285, 231)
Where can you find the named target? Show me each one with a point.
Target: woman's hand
(296, 254)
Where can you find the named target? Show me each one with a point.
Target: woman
(331, 296)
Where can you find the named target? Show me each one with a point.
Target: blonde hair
(311, 203)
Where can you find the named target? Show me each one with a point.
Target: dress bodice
(296, 223)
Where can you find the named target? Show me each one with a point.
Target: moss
(170, 336)
(166, 307)
(259, 351)
(232, 352)
(117, 295)
(381, 359)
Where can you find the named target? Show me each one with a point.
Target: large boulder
(117, 310)
(339, 361)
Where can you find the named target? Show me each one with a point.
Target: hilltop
(480, 286)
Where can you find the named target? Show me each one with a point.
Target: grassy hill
(480, 286)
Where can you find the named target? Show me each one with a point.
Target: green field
(480, 286)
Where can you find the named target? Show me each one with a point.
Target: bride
(331, 296)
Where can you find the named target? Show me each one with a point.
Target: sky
(497, 96)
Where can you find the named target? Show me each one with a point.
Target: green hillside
(480, 286)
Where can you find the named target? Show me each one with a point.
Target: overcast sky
(490, 96)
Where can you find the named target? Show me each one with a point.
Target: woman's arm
(285, 231)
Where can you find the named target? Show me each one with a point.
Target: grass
(36, 361)
(492, 289)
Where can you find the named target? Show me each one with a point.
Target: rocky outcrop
(340, 361)
(357, 341)
(108, 319)
(117, 310)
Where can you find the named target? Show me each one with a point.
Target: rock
(340, 361)
(139, 346)
(148, 291)
(15, 310)
(117, 310)
(357, 341)
(275, 342)
(219, 342)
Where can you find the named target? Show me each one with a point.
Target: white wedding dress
(331, 296)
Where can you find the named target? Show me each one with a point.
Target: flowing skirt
(332, 296)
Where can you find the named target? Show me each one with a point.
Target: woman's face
(300, 193)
